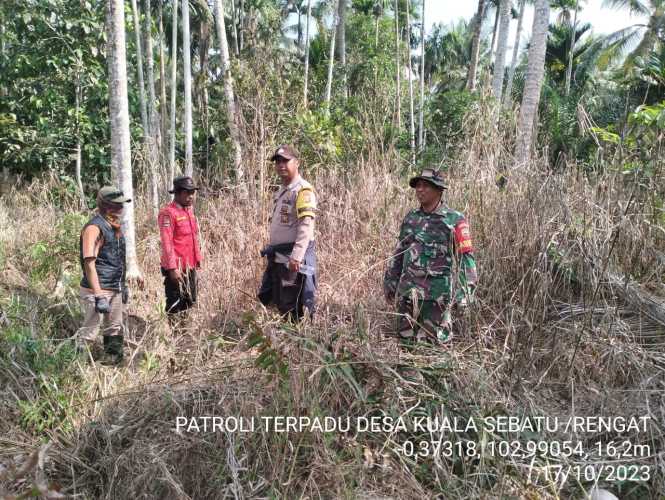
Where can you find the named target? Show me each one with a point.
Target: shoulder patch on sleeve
(306, 203)
(463, 237)
(164, 219)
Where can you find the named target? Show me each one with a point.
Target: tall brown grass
(545, 336)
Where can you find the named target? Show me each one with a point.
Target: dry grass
(545, 337)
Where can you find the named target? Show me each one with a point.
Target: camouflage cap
(430, 175)
(285, 151)
(111, 194)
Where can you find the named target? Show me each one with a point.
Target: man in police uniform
(181, 250)
(289, 281)
(432, 268)
(103, 289)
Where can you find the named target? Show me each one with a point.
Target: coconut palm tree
(340, 48)
(331, 60)
(477, 23)
(500, 61)
(516, 48)
(646, 36)
(494, 4)
(307, 44)
(447, 55)
(297, 7)
(558, 52)
(569, 68)
(228, 91)
(533, 80)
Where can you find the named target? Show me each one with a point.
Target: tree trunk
(78, 157)
(475, 46)
(77, 170)
(331, 61)
(299, 29)
(495, 31)
(234, 20)
(241, 21)
(398, 64)
(121, 161)
(341, 41)
(187, 76)
(507, 98)
(136, 17)
(412, 120)
(571, 51)
(3, 46)
(174, 92)
(228, 93)
(533, 81)
(500, 61)
(201, 88)
(162, 79)
(309, 16)
(421, 117)
(154, 138)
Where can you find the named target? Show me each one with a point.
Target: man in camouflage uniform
(432, 268)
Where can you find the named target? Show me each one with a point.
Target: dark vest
(110, 262)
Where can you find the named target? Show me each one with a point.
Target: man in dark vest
(103, 289)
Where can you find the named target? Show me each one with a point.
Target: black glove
(102, 305)
(125, 294)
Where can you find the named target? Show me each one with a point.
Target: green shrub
(447, 115)
(50, 256)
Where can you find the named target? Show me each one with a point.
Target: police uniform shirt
(293, 215)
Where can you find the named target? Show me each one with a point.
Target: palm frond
(635, 7)
(617, 44)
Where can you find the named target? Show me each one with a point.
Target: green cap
(430, 175)
(111, 194)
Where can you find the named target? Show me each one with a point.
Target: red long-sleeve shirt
(179, 235)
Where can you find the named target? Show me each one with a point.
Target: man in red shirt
(181, 251)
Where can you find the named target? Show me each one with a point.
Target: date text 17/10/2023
(558, 473)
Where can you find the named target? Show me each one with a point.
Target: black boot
(113, 353)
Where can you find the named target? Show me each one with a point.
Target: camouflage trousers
(428, 321)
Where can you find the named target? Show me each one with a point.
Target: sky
(603, 20)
